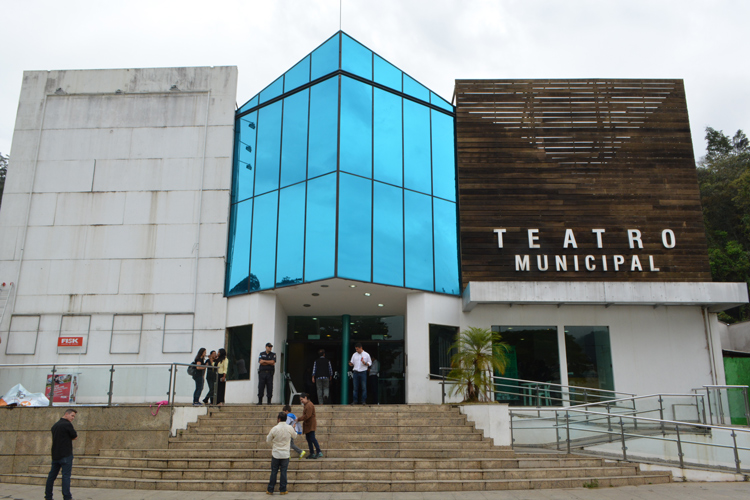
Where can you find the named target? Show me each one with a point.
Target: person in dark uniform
(63, 435)
(266, 369)
(321, 377)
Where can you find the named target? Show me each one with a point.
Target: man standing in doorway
(360, 362)
(63, 435)
(266, 369)
(321, 377)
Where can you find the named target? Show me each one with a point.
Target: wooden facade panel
(566, 158)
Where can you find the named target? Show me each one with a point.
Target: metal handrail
(708, 388)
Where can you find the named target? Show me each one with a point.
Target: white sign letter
(590, 266)
(635, 264)
(619, 259)
(522, 264)
(668, 234)
(598, 233)
(570, 239)
(539, 262)
(651, 263)
(533, 238)
(499, 233)
(633, 236)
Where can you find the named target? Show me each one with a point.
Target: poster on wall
(66, 386)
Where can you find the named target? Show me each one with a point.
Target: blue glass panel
(355, 152)
(443, 161)
(416, 147)
(249, 104)
(268, 148)
(388, 235)
(320, 230)
(245, 134)
(387, 74)
(440, 102)
(324, 115)
(446, 247)
(238, 262)
(298, 75)
(388, 138)
(417, 240)
(263, 254)
(273, 90)
(294, 139)
(325, 59)
(356, 58)
(290, 253)
(415, 89)
(355, 227)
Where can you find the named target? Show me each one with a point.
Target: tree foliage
(479, 352)
(724, 180)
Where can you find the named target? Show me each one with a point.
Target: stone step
(413, 408)
(494, 452)
(327, 437)
(344, 485)
(363, 446)
(295, 474)
(212, 427)
(427, 421)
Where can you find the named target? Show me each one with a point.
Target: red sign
(66, 386)
(70, 341)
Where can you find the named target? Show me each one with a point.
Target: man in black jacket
(321, 377)
(63, 435)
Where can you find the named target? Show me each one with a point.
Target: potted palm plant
(478, 353)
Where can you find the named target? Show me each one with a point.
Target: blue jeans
(360, 386)
(312, 442)
(276, 464)
(198, 388)
(66, 464)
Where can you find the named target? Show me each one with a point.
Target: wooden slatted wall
(581, 155)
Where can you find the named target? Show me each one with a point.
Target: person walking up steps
(291, 419)
(280, 436)
(309, 425)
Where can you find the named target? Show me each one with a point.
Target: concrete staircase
(376, 448)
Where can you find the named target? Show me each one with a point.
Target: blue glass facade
(344, 167)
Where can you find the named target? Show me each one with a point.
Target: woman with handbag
(199, 372)
(222, 363)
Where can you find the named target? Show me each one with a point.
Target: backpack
(192, 370)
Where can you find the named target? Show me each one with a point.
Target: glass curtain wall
(344, 167)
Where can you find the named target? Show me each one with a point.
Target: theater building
(146, 215)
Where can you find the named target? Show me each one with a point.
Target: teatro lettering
(582, 262)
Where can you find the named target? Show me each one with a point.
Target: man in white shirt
(360, 362)
(280, 436)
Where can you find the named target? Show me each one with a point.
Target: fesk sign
(70, 341)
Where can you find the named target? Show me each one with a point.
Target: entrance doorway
(381, 337)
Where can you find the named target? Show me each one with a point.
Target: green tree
(479, 352)
(3, 172)
(724, 180)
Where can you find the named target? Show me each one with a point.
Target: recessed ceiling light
(367, 294)
(315, 294)
(315, 319)
(380, 305)
(305, 305)
(352, 286)
(323, 286)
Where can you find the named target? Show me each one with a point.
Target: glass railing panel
(141, 383)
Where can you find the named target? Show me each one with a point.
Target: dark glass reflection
(446, 247)
(244, 170)
(273, 90)
(324, 105)
(417, 147)
(298, 75)
(294, 139)
(355, 227)
(325, 59)
(443, 162)
(418, 240)
(290, 250)
(388, 138)
(355, 58)
(388, 235)
(415, 89)
(320, 231)
(355, 154)
(268, 150)
(239, 248)
(387, 74)
(262, 259)
(589, 356)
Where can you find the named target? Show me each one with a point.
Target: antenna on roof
(340, 2)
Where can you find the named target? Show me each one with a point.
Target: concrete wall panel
(54, 176)
(82, 209)
(55, 242)
(84, 277)
(156, 276)
(148, 175)
(43, 207)
(85, 144)
(160, 207)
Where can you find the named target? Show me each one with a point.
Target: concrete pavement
(673, 491)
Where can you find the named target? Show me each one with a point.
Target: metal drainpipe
(345, 333)
(710, 342)
(200, 202)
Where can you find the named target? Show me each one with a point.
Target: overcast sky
(435, 41)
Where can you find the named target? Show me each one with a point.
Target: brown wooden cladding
(581, 155)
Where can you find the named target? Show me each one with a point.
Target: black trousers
(265, 380)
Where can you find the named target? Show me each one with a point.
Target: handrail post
(721, 406)
(442, 384)
(609, 423)
(215, 396)
(736, 453)
(52, 385)
(174, 385)
(567, 430)
(710, 410)
(557, 429)
(635, 416)
(512, 438)
(703, 406)
(111, 384)
(679, 447)
(747, 407)
(661, 416)
(622, 434)
(169, 387)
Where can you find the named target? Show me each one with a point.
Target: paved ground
(673, 491)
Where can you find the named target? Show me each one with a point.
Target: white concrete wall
(736, 337)
(117, 202)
